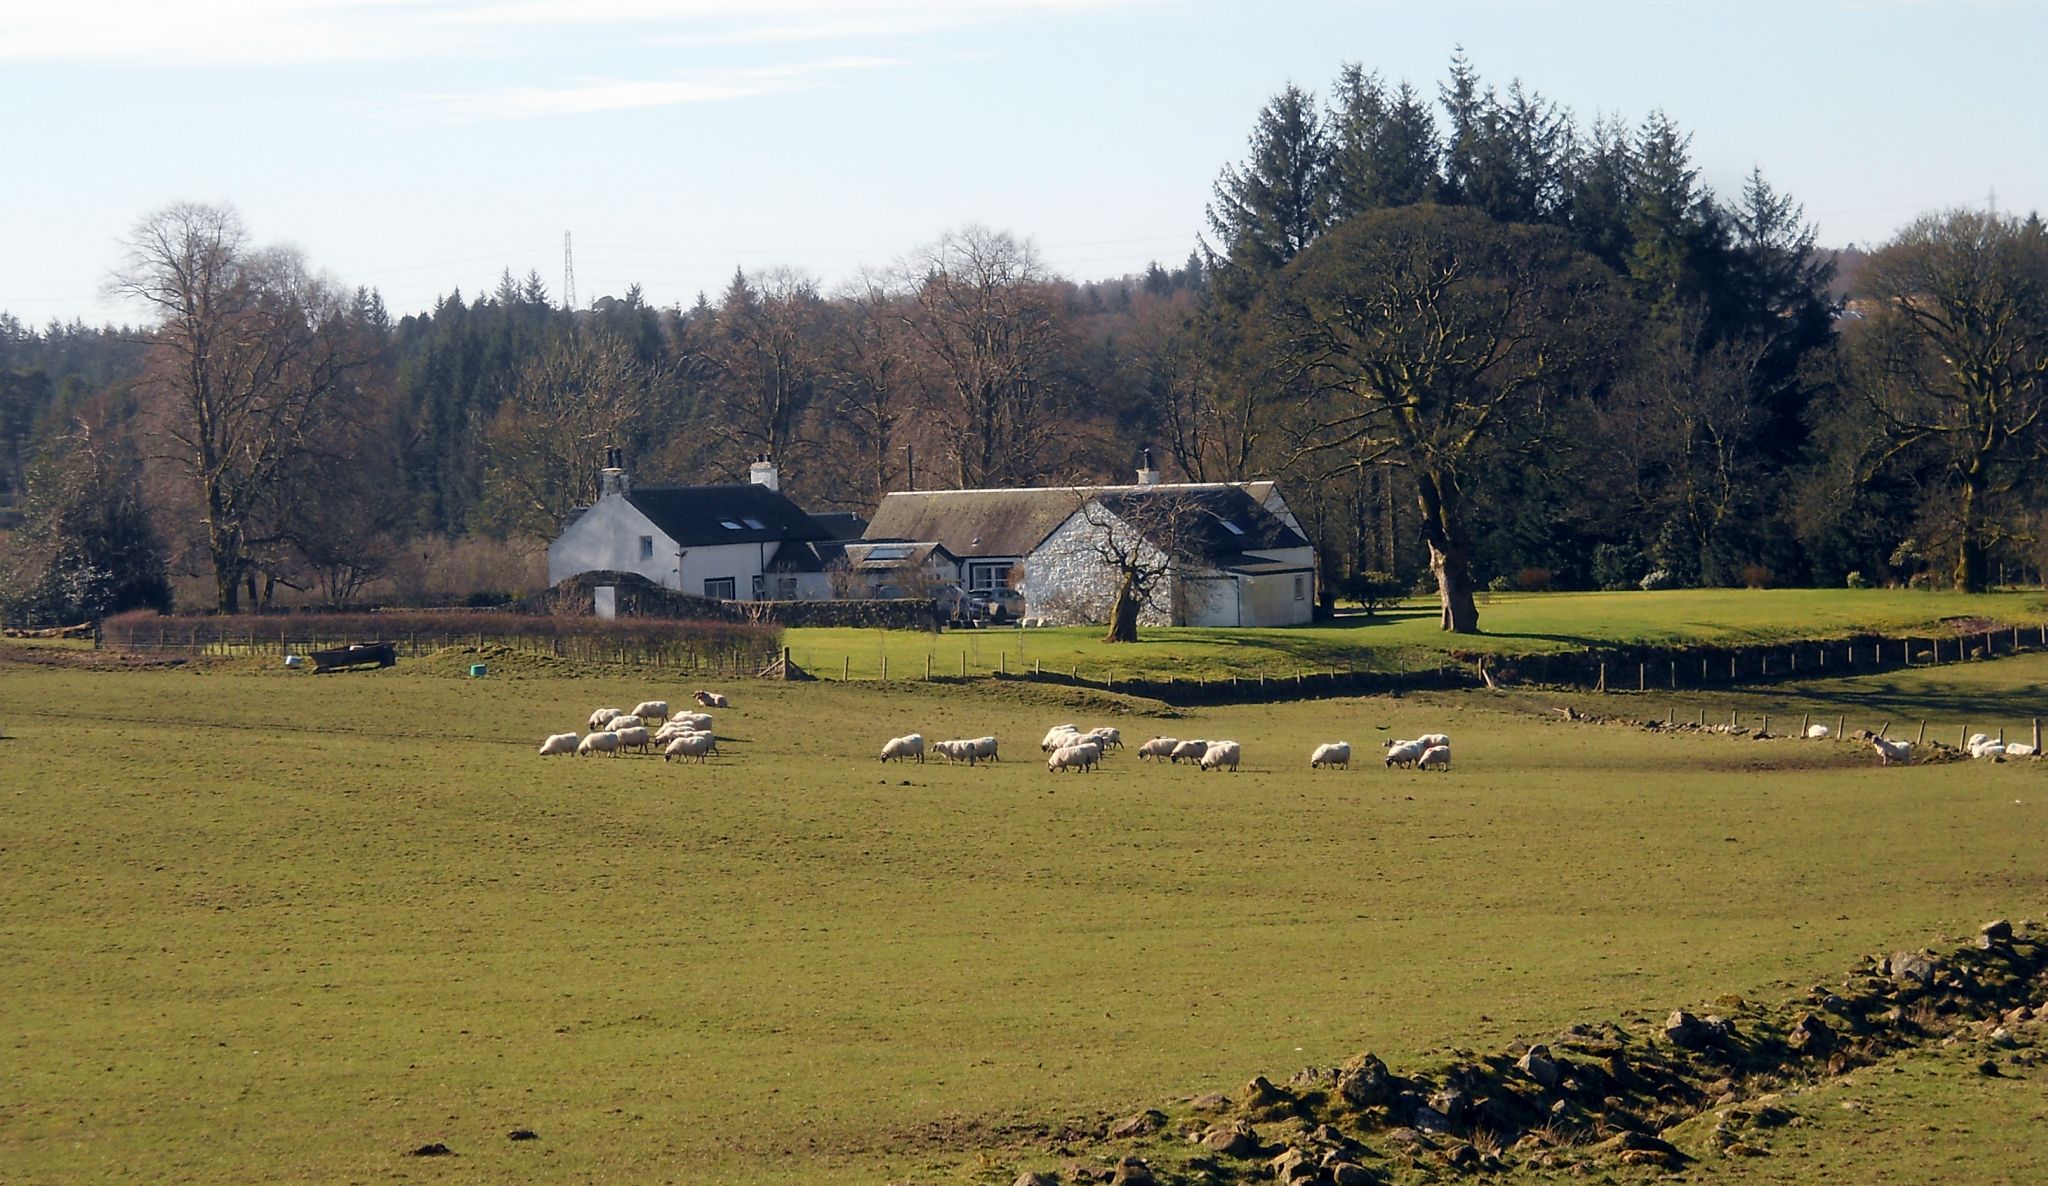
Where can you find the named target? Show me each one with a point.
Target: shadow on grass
(1914, 697)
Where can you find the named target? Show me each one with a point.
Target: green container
(476, 670)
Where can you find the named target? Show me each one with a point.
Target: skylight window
(729, 525)
(890, 552)
(756, 524)
(1233, 528)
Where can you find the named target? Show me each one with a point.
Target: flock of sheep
(1068, 748)
(614, 731)
(1979, 746)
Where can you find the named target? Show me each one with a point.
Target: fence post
(885, 668)
(1841, 726)
(2037, 737)
(1602, 685)
(1642, 678)
(1805, 723)
(1921, 737)
(845, 665)
(963, 664)
(1674, 675)
(1764, 730)
(927, 666)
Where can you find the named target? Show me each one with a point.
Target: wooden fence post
(1921, 738)
(845, 664)
(1642, 680)
(1841, 726)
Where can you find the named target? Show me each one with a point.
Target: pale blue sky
(420, 145)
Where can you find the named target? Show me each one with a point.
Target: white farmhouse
(744, 542)
(1234, 553)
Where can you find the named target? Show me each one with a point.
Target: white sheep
(602, 742)
(1190, 750)
(1429, 740)
(1989, 750)
(1221, 754)
(603, 717)
(1058, 736)
(1079, 758)
(1107, 736)
(690, 745)
(910, 745)
(624, 720)
(2019, 749)
(1336, 753)
(710, 699)
(961, 750)
(1817, 732)
(1892, 751)
(1405, 753)
(650, 711)
(558, 743)
(635, 737)
(1436, 757)
(699, 721)
(985, 749)
(1159, 747)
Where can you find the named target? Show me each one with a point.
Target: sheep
(1817, 732)
(1986, 747)
(651, 710)
(603, 716)
(558, 743)
(603, 742)
(1190, 750)
(690, 745)
(624, 720)
(1436, 757)
(1058, 736)
(1336, 753)
(1892, 751)
(985, 749)
(1079, 758)
(910, 745)
(1109, 736)
(710, 699)
(1159, 747)
(1221, 754)
(635, 737)
(1429, 740)
(2019, 749)
(1405, 753)
(961, 750)
(698, 722)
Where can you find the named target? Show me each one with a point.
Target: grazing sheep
(603, 717)
(635, 737)
(1079, 758)
(1159, 747)
(1336, 753)
(1405, 753)
(910, 745)
(710, 699)
(1190, 750)
(2019, 749)
(1429, 740)
(1892, 751)
(690, 745)
(1436, 757)
(603, 742)
(624, 720)
(1108, 736)
(699, 722)
(558, 743)
(1817, 732)
(1221, 754)
(985, 749)
(961, 750)
(1986, 748)
(1059, 736)
(650, 711)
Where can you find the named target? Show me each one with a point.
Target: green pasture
(1405, 636)
(258, 926)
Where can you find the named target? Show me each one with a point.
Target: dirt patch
(81, 658)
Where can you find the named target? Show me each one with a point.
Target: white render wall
(606, 538)
(1066, 581)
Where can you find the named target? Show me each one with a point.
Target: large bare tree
(572, 401)
(1433, 337)
(1954, 361)
(250, 354)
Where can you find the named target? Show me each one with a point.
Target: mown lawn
(1406, 636)
(263, 927)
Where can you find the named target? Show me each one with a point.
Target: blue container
(476, 670)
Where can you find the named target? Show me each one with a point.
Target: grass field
(259, 927)
(1406, 635)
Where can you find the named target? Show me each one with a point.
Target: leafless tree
(250, 353)
(548, 439)
(1143, 540)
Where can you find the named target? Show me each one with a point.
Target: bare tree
(548, 439)
(871, 382)
(1954, 361)
(250, 352)
(765, 356)
(1144, 540)
(1433, 337)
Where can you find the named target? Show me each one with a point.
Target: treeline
(1480, 340)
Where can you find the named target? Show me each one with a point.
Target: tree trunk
(1450, 553)
(1123, 617)
(1970, 566)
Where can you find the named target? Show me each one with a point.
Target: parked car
(1004, 604)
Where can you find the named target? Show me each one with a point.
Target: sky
(420, 146)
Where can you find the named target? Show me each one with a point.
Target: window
(646, 547)
(982, 576)
(756, 524)
(889, 552)
(1233, 528)
(760, 587)
(721, 588)
(785, 588)
(1301, 588)
(729, 525)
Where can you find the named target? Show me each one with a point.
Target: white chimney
(764, 473)
(612, 478)
(1147, 476)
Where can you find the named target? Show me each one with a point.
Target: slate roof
(1215, 522)
(840, 524)
(698, 516)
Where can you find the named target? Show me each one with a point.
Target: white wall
(1067, 582)
(607, 538)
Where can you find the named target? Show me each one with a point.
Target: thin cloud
(584, 96)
